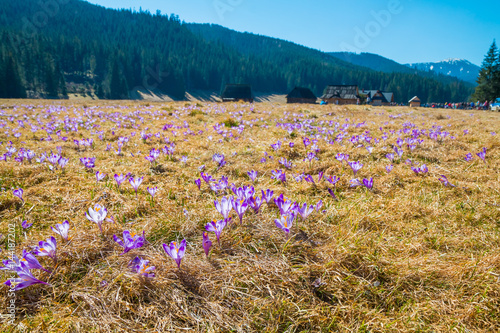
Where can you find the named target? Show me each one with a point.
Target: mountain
(460, 68)
(447, 71)
(80, 48)
(372, 61)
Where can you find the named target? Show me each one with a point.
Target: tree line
(110, 53)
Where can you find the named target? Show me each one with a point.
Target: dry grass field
(408, 255)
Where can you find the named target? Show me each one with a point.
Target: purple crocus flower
(319, 204)
(390, 156)
(97, 215)
(278, 175)
(88, 162)
(198, 183)
(24, 280)
(285, 222)
(54, 158)
(332, 180)
(175, 251)
(47, 248)
(309, 179)
(291, 144)
(119, 179)
(389, 168)
(100, 176)
(219, 158)
(305, 211)
(287, 164)
(26, 225)
(355, 182)
(152, 191)
(62, 229)
(135, 183)
(31, 261)
(368, 183)
(19, 193)
(306, 141)
(298, 178)
(268, 195)
(468, 157)
(10, 264)
(207, 178)
(141, 267)
(224, 207)
(276, 146)
(207, 243)
(320, 175)
(355, 166)
(62, 162)
(285, 205)
(398, 151)
(340, 157)
(445, 181)
(255, 203)
(252, 174)
(130, 241)
(332, 193)
(311, 156)
(482, 154)
(240, 206)
(217, 227)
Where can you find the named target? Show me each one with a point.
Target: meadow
(329, 218)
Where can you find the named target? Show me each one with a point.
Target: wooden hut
(378, 98)
(237, 92)
(414, 102)
(341, 95)
(301, 95)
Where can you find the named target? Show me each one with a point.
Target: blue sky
(406, 31)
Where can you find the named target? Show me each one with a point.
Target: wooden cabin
(341, 95)
(237, 92)
(378, 98)
(414, 102)
(301, 95)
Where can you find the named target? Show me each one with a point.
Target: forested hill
(48, 51)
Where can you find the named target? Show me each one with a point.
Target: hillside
(373, 61)
(446, 71)
(90, 50)
(459, 68)
(365, 70)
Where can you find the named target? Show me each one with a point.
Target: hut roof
(237, 91)
(299, 92)
(343, 92)
(414, 99)
(384, 96)
(389, 96)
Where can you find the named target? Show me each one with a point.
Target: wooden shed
(341, 94)
(414, 102)
(237, 92)
(301, 95)
(378, 98)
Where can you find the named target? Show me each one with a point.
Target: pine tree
(51, 82)
(15, 87)
(115, 85)
(487, 82)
